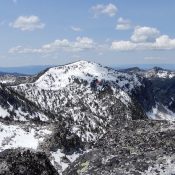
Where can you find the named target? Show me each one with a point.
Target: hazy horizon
(108, 32)
(34, 69)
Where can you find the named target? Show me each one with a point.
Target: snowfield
(14, 136)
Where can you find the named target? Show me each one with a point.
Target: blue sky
(39, 32)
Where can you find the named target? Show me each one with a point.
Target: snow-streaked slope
(86, 94)
(160, 112)
(15, 107)
(19, 115)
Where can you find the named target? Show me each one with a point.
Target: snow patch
(161, 112)
(61, 161)
(12, 136)
(3, 112)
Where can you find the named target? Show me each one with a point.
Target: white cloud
(80, 44)
(145, 38)
(123, 24)
(144, 34)
(84, 43)
(109, 9)
(27, 23)
(76, 29)
(22, 50)
(165, 42)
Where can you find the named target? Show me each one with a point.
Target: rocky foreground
(128, 148)
(131, 148)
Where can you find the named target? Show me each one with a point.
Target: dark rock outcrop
(25, 162)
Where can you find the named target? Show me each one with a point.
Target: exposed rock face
(164, 90)
(25, 162)
(157, 94)
(14, 106)
(144, 95)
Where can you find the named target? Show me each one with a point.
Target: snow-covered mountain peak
(84, 94)
(61, 76)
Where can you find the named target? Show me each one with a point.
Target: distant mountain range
(31, 70)
(144, 66)
(28, 70)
